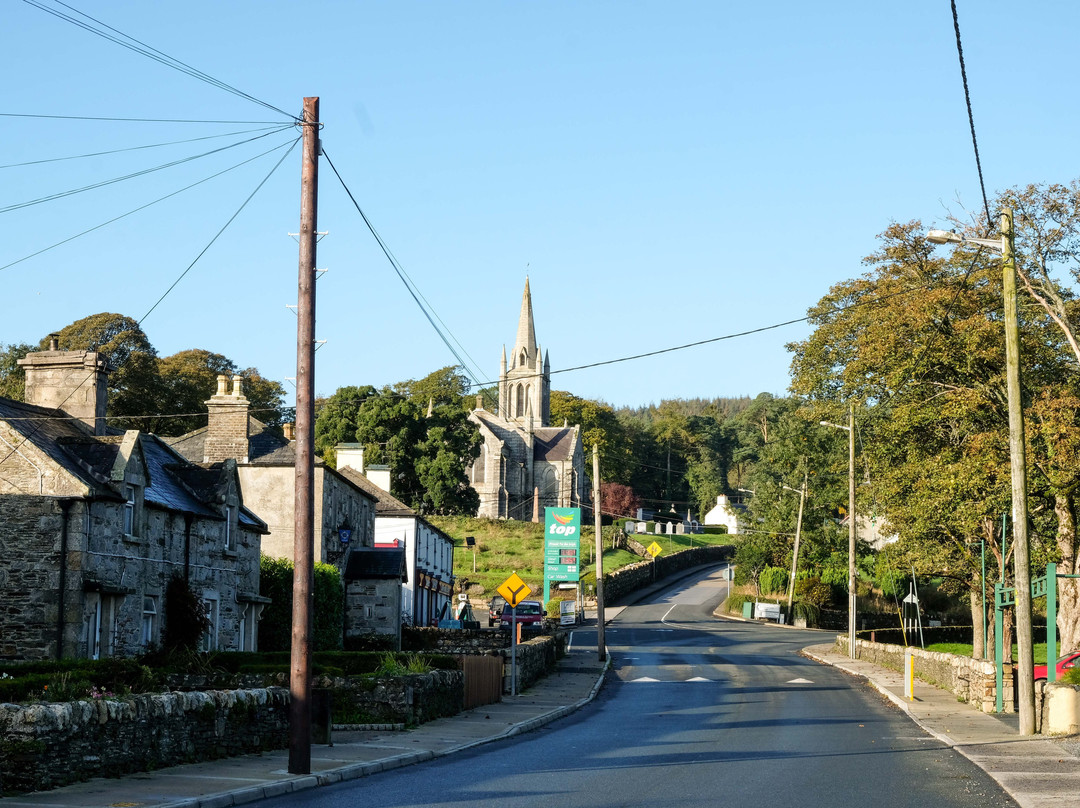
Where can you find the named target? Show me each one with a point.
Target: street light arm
(835, 426)
(952, 237)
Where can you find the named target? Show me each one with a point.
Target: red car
(530, 615)
(1070, 660)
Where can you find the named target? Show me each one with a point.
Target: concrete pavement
(1035, 771)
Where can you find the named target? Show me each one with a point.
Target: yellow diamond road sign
(514, 590)
(654, 549)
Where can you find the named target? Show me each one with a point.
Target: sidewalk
(1035, 771)
(235, 781)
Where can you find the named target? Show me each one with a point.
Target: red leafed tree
(618, 500)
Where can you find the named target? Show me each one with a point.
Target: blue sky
(664, 172)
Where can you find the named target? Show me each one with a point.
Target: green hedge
(328, 615)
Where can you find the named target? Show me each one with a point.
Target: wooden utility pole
(601, 648)
(1025, 677)
(851, 531)
(304, 507)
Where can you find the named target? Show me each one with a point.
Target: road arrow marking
(699, 679)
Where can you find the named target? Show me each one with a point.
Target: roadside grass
(965, 649)
(505, 546)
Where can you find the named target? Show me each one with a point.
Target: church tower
(525, 380)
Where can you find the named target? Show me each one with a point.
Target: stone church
(525, 464)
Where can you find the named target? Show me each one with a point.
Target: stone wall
(621, 582)
(49, 745)
(535, 658)
(411, 699)
(453, 641)
(970, 680)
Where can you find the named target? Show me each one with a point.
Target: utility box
(748, 610)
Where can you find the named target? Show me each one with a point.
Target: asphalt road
(697, 712)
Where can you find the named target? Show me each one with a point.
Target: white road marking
(800, 682)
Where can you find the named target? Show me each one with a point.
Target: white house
(725, 512)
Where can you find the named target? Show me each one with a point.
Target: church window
(478, 468)
(520, 410)
(524, 356)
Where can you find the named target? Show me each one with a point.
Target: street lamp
(851, 525)
(1017, 461)
(798, 532)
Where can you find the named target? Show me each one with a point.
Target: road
(697, 712)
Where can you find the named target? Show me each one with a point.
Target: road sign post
(514, 590)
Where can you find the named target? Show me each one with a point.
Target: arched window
(549, 488)
(520, 401)
(524, 356)
(528, 394)
(478, 468)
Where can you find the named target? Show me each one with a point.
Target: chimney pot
(222, 385)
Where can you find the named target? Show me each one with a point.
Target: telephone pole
(798, 534)
(304, 510)
(601, 648)
(1025, 675)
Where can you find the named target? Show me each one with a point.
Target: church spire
(526, 332)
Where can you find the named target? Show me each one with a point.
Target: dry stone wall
(621, 582)
(48, 745)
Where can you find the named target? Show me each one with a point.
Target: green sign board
(562, 545)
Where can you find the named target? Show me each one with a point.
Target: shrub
(185, 618)
(275, 627)
(811, 592)
(773, 579)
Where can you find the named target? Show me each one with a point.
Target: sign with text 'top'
(562, 545)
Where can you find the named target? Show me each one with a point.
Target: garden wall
(535, 658)
(410, 699)
(47, 745)
(970, 680)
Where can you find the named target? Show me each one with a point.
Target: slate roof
(385, 503)
(174, 483)
(265, 447)
(379, 562)
(554, 443)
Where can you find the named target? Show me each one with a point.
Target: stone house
(94, 523)
(266, 464)
(429, 552)
(525, 464)
(373, 592)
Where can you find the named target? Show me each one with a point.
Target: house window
(245, 622)
(129, 510)
(149, 620)
(210, 609)
(100, 625)
(230, 516)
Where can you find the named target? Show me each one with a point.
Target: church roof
(555, 443)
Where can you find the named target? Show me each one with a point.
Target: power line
(125, 41)
(971, 117)
(130, 120)
(141, 207)
(269, 130)
(143, 172)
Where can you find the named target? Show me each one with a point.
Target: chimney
(479, 401)
(288, 430)
(350, 456)
(75, 382)
(227, 429)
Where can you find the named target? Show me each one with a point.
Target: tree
(12, 376)
(134, 384)
(427, 454)
(189, 379)
(599, 427)
(618, 501)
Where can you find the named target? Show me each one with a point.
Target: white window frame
(149, 620)
(130, 500)
(212, 610)
(230, 516)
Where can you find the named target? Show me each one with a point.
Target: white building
(429, 553)
(726, 513)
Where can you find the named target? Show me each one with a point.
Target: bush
(185, 618)
(812, 593)
(275, 627)
(773, 580)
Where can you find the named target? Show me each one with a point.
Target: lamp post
(1025, 679)
(798, 533)
(851, 525)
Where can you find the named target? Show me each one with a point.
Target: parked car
(1065, 663)
(495, 607)
(530, 615)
